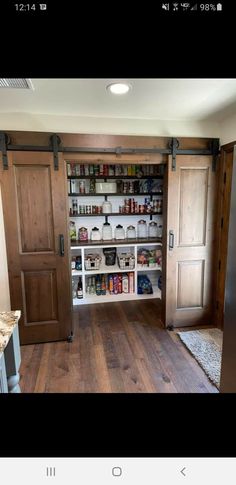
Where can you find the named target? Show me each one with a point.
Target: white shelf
(143, 268)
(75, 272)
(106, 244)
(107, 269)
(89, 299)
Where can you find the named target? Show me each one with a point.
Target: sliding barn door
(34, 205)
(190, 241)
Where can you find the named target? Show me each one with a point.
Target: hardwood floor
(118, 347)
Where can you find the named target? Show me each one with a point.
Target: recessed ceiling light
(119, 88)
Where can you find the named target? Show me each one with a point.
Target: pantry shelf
(88, 299)
(114, 194)
(145, 268)
(115, 242)
(114, 177)
(104, 269)
(121, 214)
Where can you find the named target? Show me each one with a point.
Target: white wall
(228, 130)
(4, 284)
(115, 126)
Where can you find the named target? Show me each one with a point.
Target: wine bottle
(80, 288)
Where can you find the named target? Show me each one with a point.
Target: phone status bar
(197, 7)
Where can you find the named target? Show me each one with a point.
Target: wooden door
(35, 218)
(190, 238)
(223, 212)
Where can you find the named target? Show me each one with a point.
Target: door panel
(38, 286)
(190, 284)
(35, 220)
(192, 214)
(190, 227)
(35, 215)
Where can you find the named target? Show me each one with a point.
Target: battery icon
(219, 6)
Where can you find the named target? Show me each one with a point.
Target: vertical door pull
(61, 245)
(171, 240)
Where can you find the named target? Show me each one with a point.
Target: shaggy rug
(206, 346)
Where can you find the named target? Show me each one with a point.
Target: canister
(106, 231)
(142, 229)
(152, 229)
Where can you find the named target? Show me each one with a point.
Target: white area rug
(206, 346)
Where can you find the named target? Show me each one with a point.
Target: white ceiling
(150, 99)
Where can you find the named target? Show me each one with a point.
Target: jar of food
(82, 187)
(142, 229)
(106, 207)
(78, 263)
(72, 231)
(106, 231)
(119, 232)
(95, 234)
(83, 234)
(159, 231)
(152, 229)
(131, 232)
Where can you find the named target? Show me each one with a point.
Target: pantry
(117, 255)
(93, 219)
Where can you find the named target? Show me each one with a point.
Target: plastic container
(95, 234)
(152, 229)
(106, 231)
(131, 232)
(142, 229)
(106, 187)
(106, 207)
(119, 232)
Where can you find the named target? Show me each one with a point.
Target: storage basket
(126, 261)
(92, 261)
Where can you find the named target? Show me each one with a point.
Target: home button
(116, 471)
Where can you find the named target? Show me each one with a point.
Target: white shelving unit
(104, 269)
(115, 217)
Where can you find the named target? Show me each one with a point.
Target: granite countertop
(8, 321)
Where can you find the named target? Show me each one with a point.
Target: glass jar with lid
(142, 229)
(131, 232)
(119, 232)
(95, 234)
(152, 229)
(106, 231)
(106, 207)
(83, 234)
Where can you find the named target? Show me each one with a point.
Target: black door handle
(61, 245)
(171, 240)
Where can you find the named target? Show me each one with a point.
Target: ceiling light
(119, 88)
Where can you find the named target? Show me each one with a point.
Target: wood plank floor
(118, 347)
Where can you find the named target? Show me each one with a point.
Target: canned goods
(88, 209)
(96, 170)
(141, 209)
